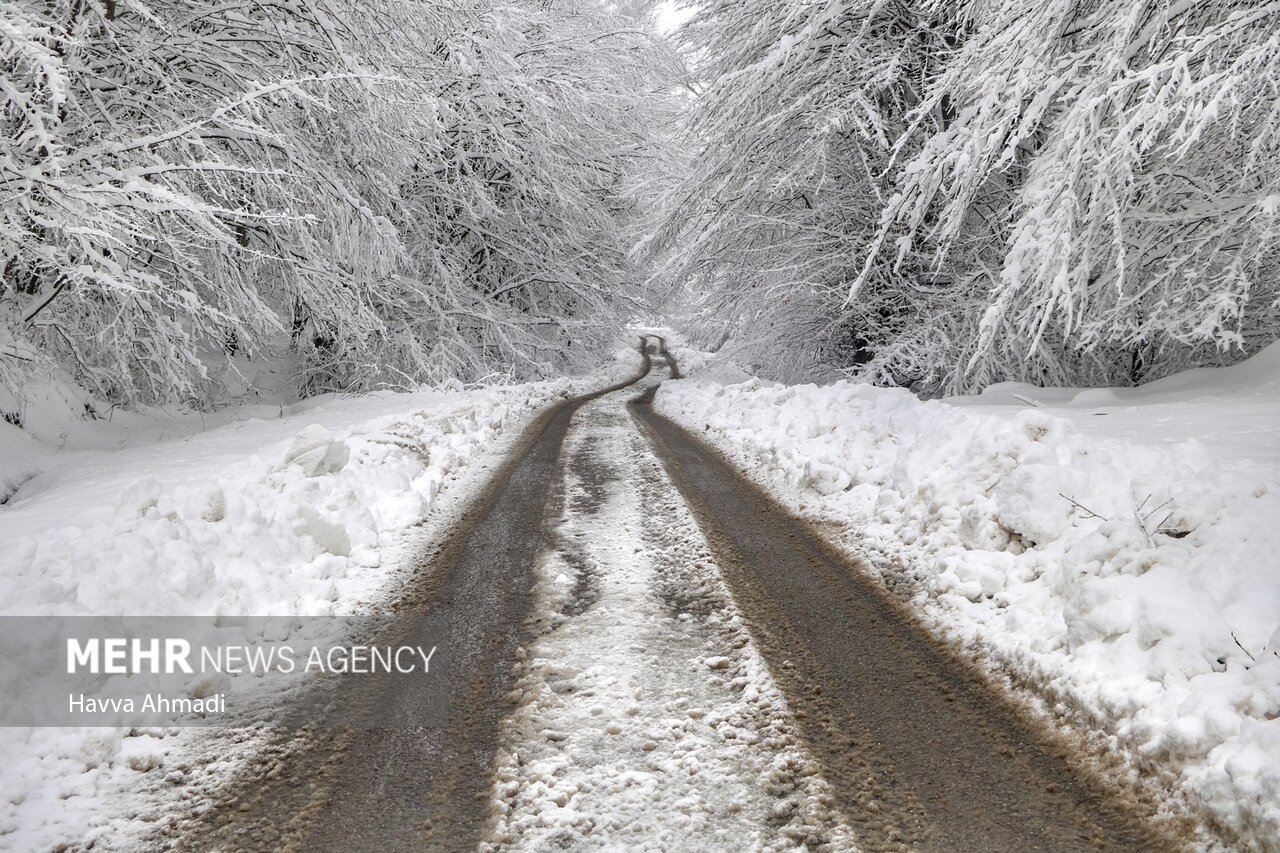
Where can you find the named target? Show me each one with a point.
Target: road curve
(413, 775)
(918, 752)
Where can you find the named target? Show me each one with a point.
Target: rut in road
(921, 753)
(413, 774)
(647, 720)
(624, 634)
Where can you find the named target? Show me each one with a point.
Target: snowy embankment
(1117, 550)
(263, 510)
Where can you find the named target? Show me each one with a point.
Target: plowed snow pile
(1116, 548)
(256, 510)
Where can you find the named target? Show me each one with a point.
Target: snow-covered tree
(1124, 150)
(382, 193)
(975, 191)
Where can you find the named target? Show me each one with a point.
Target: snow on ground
(647, 719)
(260, 510)
(1116, 549)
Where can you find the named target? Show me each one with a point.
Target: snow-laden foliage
(378, 193)
(950, 194)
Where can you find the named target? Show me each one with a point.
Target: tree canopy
(381, 193)
(949, 194)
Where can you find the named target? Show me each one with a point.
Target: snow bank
(253, 511)
(1117, 551)
(263, 517)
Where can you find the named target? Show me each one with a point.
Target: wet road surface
(923, 755)
(914, 751)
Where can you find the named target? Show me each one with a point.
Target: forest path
(644, 651)
(647, 720)
(414, 774)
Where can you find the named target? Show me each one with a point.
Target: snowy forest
(951, 194)
(381, 193)
(939, 195)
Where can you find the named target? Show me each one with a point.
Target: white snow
(1041, 526)
(647, 719)
(261, 510)
(272, 511)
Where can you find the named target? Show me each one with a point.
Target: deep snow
(1115, 549)
(254, 510)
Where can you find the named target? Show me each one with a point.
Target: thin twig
(1242, 648)
(1082, 507)
(1157, 509)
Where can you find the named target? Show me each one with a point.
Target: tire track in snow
(405, 779)
(646, 719)
(921, 753)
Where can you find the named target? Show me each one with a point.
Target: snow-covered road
(641, 651)
(647, 718)
(1154, 631)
